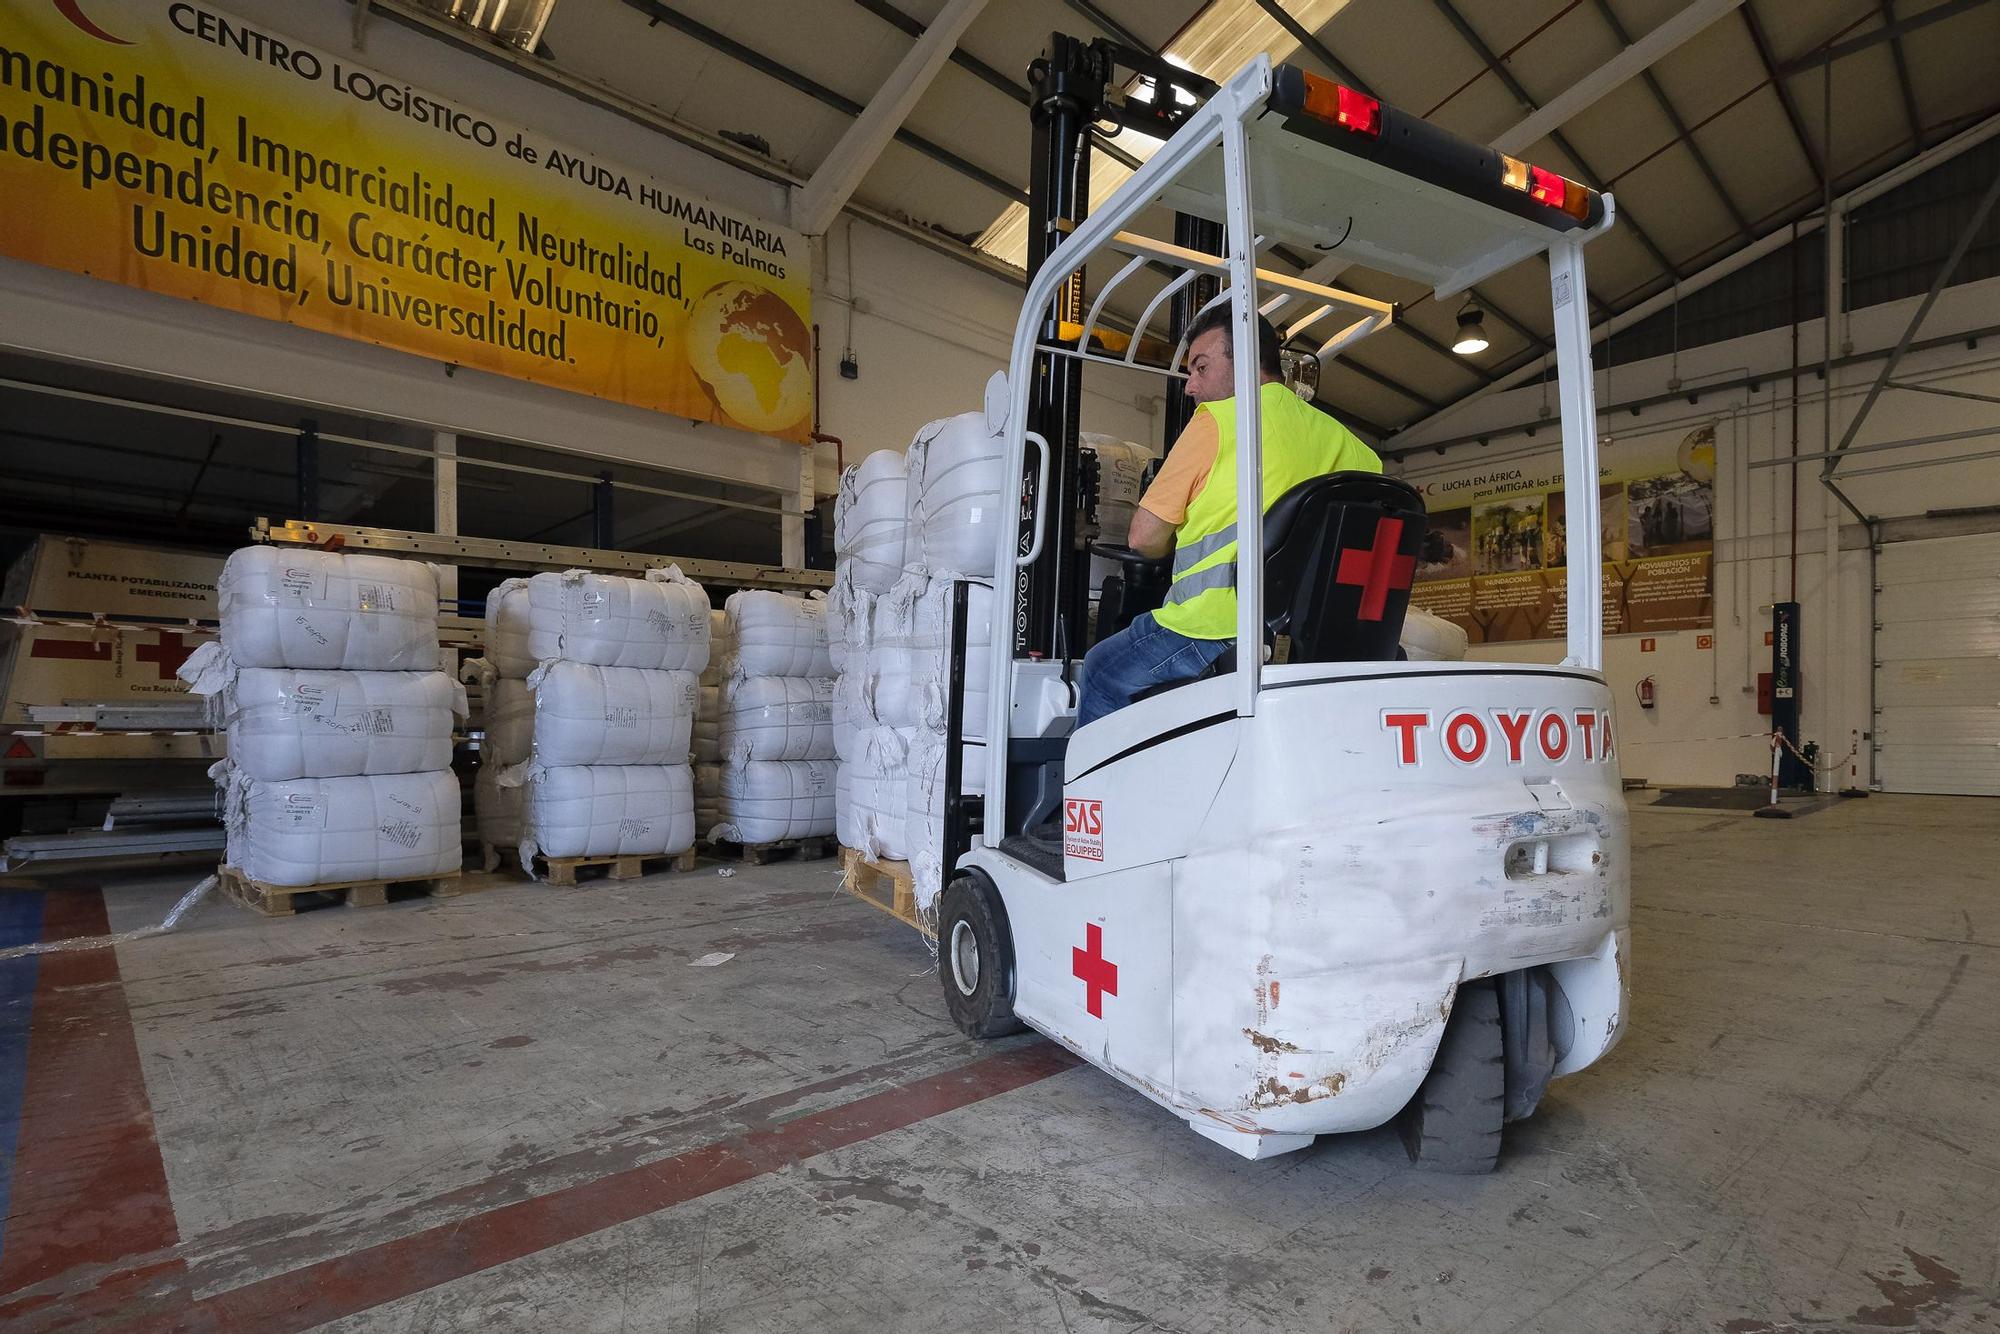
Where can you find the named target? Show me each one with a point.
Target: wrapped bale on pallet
(594, 691)
(931, 672)
(708, 725)
(339, 721)
(775, 734)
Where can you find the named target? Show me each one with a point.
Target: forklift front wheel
(976, 958)
(1453, 1124)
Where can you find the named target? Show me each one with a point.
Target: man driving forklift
(1190, 510)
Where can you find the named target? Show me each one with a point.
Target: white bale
(777, 635)
(497, 808)
(957, 510)
(587, 715)
(930, 656)
(608, 810)
(776, 718)
(849, 611)
(850, 713)
(765, 801)
(510, 721)
(888, 668)
(659, 623)
(720, 646)
(879, 794)
(924, 827)
(1428, 638)
(871, 520)
(316, 831)
(284, 724)
(329, 610)
(707, 746)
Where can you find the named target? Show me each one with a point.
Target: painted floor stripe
(368, 1278)
(88, 1186)
(20, 924)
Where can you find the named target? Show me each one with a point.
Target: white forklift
(1321, 887)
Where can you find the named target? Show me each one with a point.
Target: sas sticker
(1083, 829)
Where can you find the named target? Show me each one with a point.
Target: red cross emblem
(1378, 569)
(1099, 974)
(170, 653)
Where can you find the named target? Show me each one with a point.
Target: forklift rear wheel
(1453, 1124)
(976, 959)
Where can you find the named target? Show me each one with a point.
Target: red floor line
(89, 1186)
(343, 1285)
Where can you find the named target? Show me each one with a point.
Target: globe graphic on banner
(754, 353)
(1697, 454)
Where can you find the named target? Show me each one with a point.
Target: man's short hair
(1223, 317)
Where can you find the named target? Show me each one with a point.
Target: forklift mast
(1076, 89)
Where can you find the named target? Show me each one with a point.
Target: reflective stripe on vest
(1300, 442)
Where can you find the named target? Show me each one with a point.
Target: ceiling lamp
(516, 22)
(1471, 331)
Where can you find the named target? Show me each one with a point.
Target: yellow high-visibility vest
(1300, 442)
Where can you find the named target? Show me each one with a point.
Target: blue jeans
(1142, 655)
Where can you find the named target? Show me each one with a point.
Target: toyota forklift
(1321, 887)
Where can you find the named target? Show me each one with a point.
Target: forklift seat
(1340, 554)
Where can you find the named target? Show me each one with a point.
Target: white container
(317, 831)
(878, 794)
(776, 718)
(764, 801)
(871, 519)
(325, 610)
(775, 634)
(888, 667)
(587, 715)
(605, 810)
(659, 623)
(285, 724)
(956, 508)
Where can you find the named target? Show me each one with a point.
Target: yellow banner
(178, 149)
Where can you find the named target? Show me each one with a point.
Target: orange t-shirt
(1187, 467)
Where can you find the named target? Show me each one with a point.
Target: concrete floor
(526, 1109)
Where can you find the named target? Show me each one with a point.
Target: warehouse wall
(931, 331)
(1706, 698)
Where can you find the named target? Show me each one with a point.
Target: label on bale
(375, 597)
(403, 834)
(634, 828)
(302, 810)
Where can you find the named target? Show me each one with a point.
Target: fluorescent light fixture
(516, 22)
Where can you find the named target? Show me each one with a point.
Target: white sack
(510, 721)
(888, 668)
(497, 809)
(776, 718)
(1428, 638)
(707, 797)
(587, 715)
(777, 635)
(879, 795)
(764, 801)
(924, 828)
(721, 644)
(322, 609)
(605, 810)
(870, 520)
(847, 827)
(707, 746)
(659, 623)
(848, 612)
(285, 724)
(316, 831)
(930, 657)
(850, 713)
(962, 500)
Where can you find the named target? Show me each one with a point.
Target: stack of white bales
(775, 732)
(868, 622)
(708, 727)
(591, 713)
(338, 718)
(960, 502)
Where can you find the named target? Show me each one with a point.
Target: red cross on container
(169, 653)
(1099, 974)
(1378, 569)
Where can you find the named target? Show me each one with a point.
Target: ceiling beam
(1637, 58)
(661, 14)
(1713, 9)
(1888, 32)
(1109, 26)
(833, 182)
(1312, 43)
(1762, 41)
(1903, 83)
(1513, 85)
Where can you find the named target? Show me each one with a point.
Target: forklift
(1320, 888)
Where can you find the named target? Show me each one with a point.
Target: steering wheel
(1126, 555)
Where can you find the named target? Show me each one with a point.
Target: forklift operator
(1190, 509)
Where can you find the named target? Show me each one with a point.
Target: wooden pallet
(561, 871)
(763, 854)
(282, 900)
(885, 885)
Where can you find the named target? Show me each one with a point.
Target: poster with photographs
(1496, 555)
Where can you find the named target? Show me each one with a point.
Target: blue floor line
(20, 924)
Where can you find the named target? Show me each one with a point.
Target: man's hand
(1151, 535)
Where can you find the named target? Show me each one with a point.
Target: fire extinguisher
(1646, 693)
